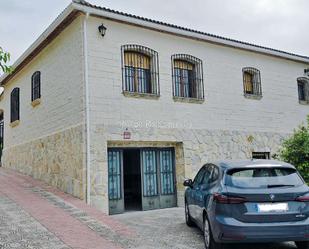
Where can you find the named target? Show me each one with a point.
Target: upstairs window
(303, 90)
(187, 72)
(15, 105)
(140, 70)
(36, 86)
(252, 82)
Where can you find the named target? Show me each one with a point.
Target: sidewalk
(34, 215)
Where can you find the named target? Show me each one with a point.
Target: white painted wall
(225, 106)
(62, 101)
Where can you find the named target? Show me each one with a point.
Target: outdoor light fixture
(102, 29)
(306, 71)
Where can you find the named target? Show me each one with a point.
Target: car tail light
(304, 198)
(224, 199)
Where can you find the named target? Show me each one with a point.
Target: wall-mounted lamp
(306, 71)
(102, 29)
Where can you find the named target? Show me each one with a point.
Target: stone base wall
(57, 159)
(193, 149)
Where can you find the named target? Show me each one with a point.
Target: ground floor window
(260, 155)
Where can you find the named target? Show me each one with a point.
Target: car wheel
(209, 242)
(302, 244)
(189, 221)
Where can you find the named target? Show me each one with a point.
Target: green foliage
(295, 150)
(4, 59)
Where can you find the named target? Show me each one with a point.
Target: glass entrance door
(151, 177)
(151, 197)
(115, 181)
(158, 177)
(167, 178)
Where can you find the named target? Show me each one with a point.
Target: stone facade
(193, 148)
(57, 159)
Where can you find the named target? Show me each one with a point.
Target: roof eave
(45, 35)
(188, 33)
(20, 62)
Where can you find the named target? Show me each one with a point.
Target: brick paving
(63, 226)
(36, 216)
(20, 230)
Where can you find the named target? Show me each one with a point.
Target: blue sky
(281, 24)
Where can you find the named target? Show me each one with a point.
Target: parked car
(248, 201)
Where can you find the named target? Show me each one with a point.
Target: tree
(4, 59)
(295, 150)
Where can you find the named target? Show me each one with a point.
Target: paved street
(166, 229)
(34, 215)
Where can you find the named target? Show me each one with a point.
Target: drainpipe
(88, 179)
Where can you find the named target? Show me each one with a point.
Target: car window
(262, 177)
(207, 175)
(215, 174)
(199, 177)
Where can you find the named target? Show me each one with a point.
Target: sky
(280, 24)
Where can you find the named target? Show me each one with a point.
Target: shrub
(295, 150)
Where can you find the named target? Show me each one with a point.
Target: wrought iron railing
(140, 70)
(187, 74)
(252, 81)
(303, 89)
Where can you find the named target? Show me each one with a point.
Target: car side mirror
(188, 183)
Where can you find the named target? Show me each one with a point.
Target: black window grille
(260, 155)
(187, 73)
(303, 89)
(36, 86)
(252, 81)
(15, 105)
(140, 70)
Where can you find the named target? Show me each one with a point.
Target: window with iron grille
(187, 73)
(140, 70)
(36, 86)
(303, 90)
(260, 155)
(15, 105)
(252, 81)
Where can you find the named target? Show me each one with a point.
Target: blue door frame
(158, 178)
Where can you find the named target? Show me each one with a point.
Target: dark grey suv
(248, 201)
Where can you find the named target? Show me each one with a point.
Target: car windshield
(263, 178)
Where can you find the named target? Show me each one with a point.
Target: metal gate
(1, 138)
(115, 182)
(157, 178)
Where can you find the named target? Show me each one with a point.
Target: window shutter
(15, 106)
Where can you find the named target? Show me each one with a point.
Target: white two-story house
(118, 109)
